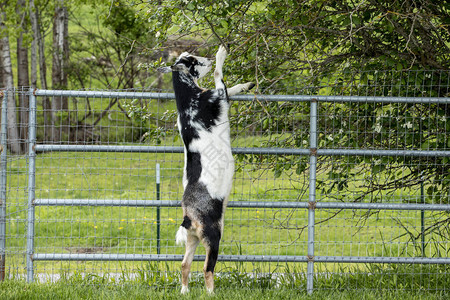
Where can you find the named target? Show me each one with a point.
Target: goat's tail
(181, 236)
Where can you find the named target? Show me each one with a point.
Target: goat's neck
(186, 89)
(184, 81)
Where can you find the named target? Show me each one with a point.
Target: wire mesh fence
(345, 178)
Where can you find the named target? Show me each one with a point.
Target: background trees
(280, 40)
(7, 75)
(274, 41)
(109, 54)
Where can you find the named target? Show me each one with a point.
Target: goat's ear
(164, 69)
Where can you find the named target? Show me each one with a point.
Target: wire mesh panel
(13, 187)
(114, 175)
(389, 176)
(98, 176)
(380, 196)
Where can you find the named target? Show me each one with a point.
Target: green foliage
(123, 21)
(386, 277)
(280, 40)
(110, 53)
(154, 127)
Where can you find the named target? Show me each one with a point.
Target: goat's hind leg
(211, 243)
(191, 244)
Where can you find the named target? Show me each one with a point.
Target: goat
(208, 162)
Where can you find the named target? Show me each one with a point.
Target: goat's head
(196, 66)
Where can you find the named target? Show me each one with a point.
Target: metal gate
(312, 206)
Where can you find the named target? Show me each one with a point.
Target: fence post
(3, 163)
(422, 215)
(158, 211)
(312, 195)
(31, 185)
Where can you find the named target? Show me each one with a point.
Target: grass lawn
(94, 287)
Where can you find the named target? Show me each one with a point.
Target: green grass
(127, 291)
(385, 282)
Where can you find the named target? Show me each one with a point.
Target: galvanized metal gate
(312, 205)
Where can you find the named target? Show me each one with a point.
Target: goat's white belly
(217, 161)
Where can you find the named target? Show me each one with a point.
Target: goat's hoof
(221, 53)
(184, 290)
(250, 85)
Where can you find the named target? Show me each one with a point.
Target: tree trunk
(23, 80)
(1, 67)
(41, 48)
(46, 105)
(60, 60)
(8, 81)
(60, 51)
(34, 29)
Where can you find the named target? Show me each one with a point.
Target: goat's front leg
(238, 88)
(218, 75)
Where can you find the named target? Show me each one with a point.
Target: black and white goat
(209, 165)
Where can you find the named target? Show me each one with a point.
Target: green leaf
(425, 145)
(265, 124)
(300, 168)
(356, 20)
(224, 24)
(378, 168)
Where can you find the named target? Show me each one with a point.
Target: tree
(115, 49)
(109, 56)
(23, 78)
(60, 62)
(1, 65)
(8, 82)
(334, 47)
(34, 43)
(283, 39)
(38, 36)
(38, 57)
(60, 52)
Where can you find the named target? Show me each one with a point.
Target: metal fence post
(158, 211)
(312, 195)
(3, 163)
(31, 185)
(422, 216)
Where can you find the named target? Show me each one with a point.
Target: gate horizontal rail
(161, 149)
(236, 258)
(244, 204)
(274, 98)
(262, 151)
